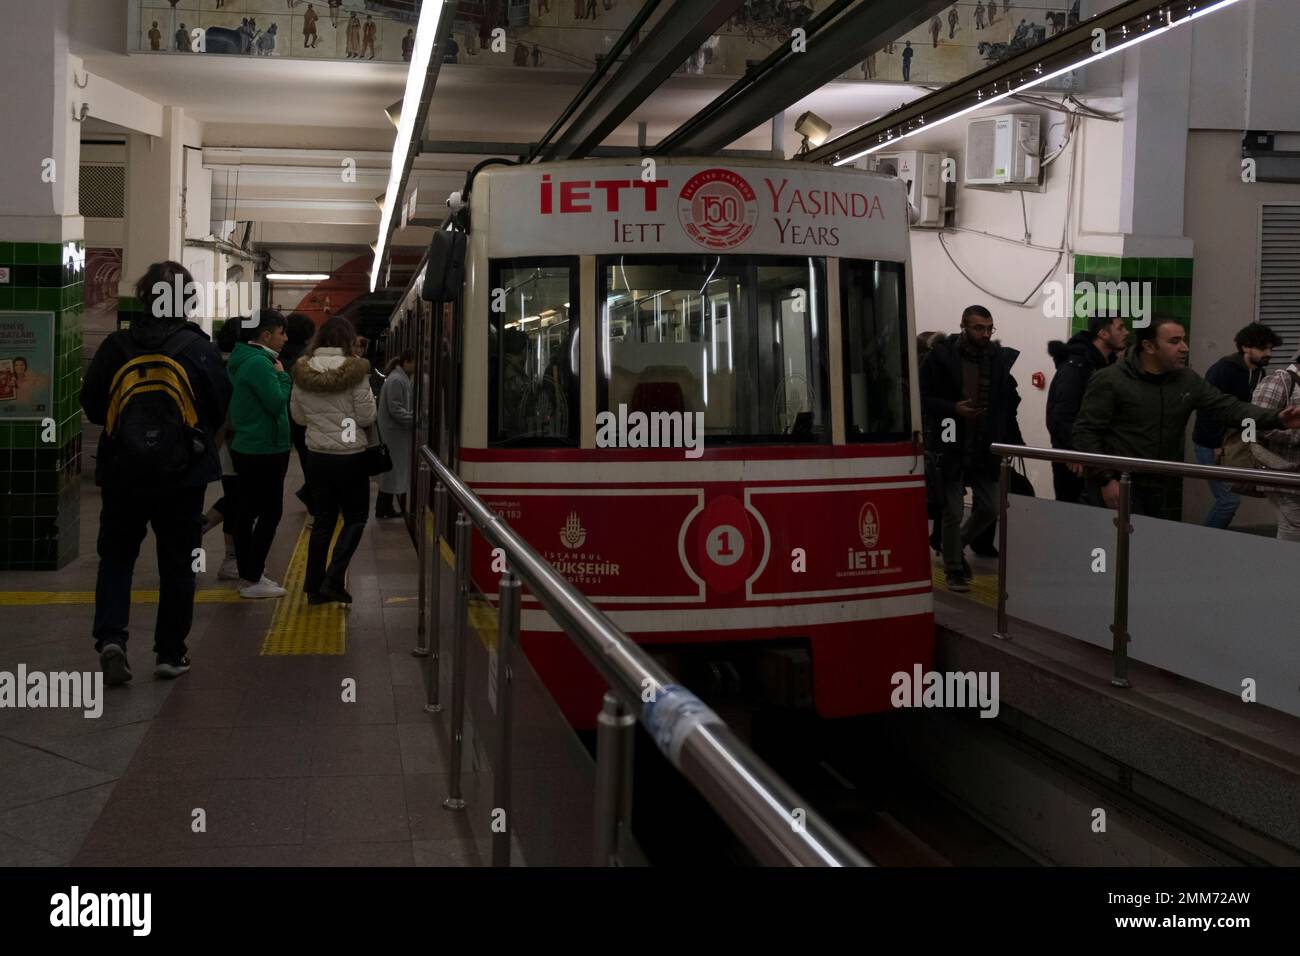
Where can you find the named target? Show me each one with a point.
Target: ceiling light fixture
(426, 34)
(890, 137)
(296, 276)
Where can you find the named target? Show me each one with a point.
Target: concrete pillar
(154, 204)
(42, 264)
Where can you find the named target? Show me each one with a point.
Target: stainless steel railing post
(1119, 629)
(615, 740)
(434, 675)
(459, 665)
(507, 637)
(1004, 485)
(422, 561)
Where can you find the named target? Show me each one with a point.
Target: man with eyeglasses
(970, 399)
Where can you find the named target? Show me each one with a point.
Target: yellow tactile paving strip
(297, 627)
(983, 587)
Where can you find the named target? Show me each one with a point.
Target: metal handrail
(761, 809)
(1181, 469)
(1123, 525)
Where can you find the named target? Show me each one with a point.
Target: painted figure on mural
(155, 37)
(334, 12)
(591, 9)
(908, 53)
(183, 39)
(979, 15)
(953, 19)
(1006, 7)
(543, 6)
(993, 12)
(266, 41)
(408, 46)
(537, 55)
(577, 10)
(936, 27)
(309, 36)
(354, 35)
(368, 36)
(869, 67)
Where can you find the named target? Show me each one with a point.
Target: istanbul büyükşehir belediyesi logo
(717, 208)
(869, 525)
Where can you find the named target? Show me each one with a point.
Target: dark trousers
(339, 485)
(984, 510)
(1153, 498)
(298, 435)
(176, 515)
(1066, 484)
(257, 514)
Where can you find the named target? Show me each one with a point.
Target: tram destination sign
(676, 208)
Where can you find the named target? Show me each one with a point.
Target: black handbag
(378, 459)
(1018, 482)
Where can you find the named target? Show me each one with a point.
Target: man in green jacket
(259, 415)
(1138, 408)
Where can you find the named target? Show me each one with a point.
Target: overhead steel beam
(472, 148)
(835, 48)
(680, 31)
(1124, 23)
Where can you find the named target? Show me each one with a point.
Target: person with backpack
(333, 400)
(1279, 450)
(259, 414)
(1139, 408)
(160, 390)
(1237, 374)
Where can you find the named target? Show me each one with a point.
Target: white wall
(1010, 270)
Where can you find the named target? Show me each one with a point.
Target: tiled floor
(246, 760)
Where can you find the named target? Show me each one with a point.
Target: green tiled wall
(40, 481)
(1171, 282)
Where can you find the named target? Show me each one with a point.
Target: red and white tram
(609, 306)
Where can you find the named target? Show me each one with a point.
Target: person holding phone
(970, 400)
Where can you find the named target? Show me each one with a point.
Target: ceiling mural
(573, 34)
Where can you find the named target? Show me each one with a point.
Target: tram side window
(533, 352)
(873, 314)
(739, 338)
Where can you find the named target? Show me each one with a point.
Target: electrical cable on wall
(1062, 250)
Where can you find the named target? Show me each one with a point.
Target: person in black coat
(1086, 352)
(299, 328)
(172, 505)
(970, 400)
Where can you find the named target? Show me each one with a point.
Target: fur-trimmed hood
(329, 370)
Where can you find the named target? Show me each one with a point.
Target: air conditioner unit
(1003, 150)
(922, 173)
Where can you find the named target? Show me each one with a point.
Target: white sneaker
(229, 570)
(265, 588)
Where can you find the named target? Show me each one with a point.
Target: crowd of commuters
(1109, 398)
(180, 412)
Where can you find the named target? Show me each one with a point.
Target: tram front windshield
(740, 338)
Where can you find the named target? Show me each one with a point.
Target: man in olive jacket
(1139, 408)
(259, 415)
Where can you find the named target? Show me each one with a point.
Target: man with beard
(970, 401)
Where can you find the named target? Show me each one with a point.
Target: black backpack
(153, 424)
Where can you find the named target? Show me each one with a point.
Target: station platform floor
(257, 735)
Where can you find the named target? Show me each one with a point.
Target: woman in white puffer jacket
(332, 398)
